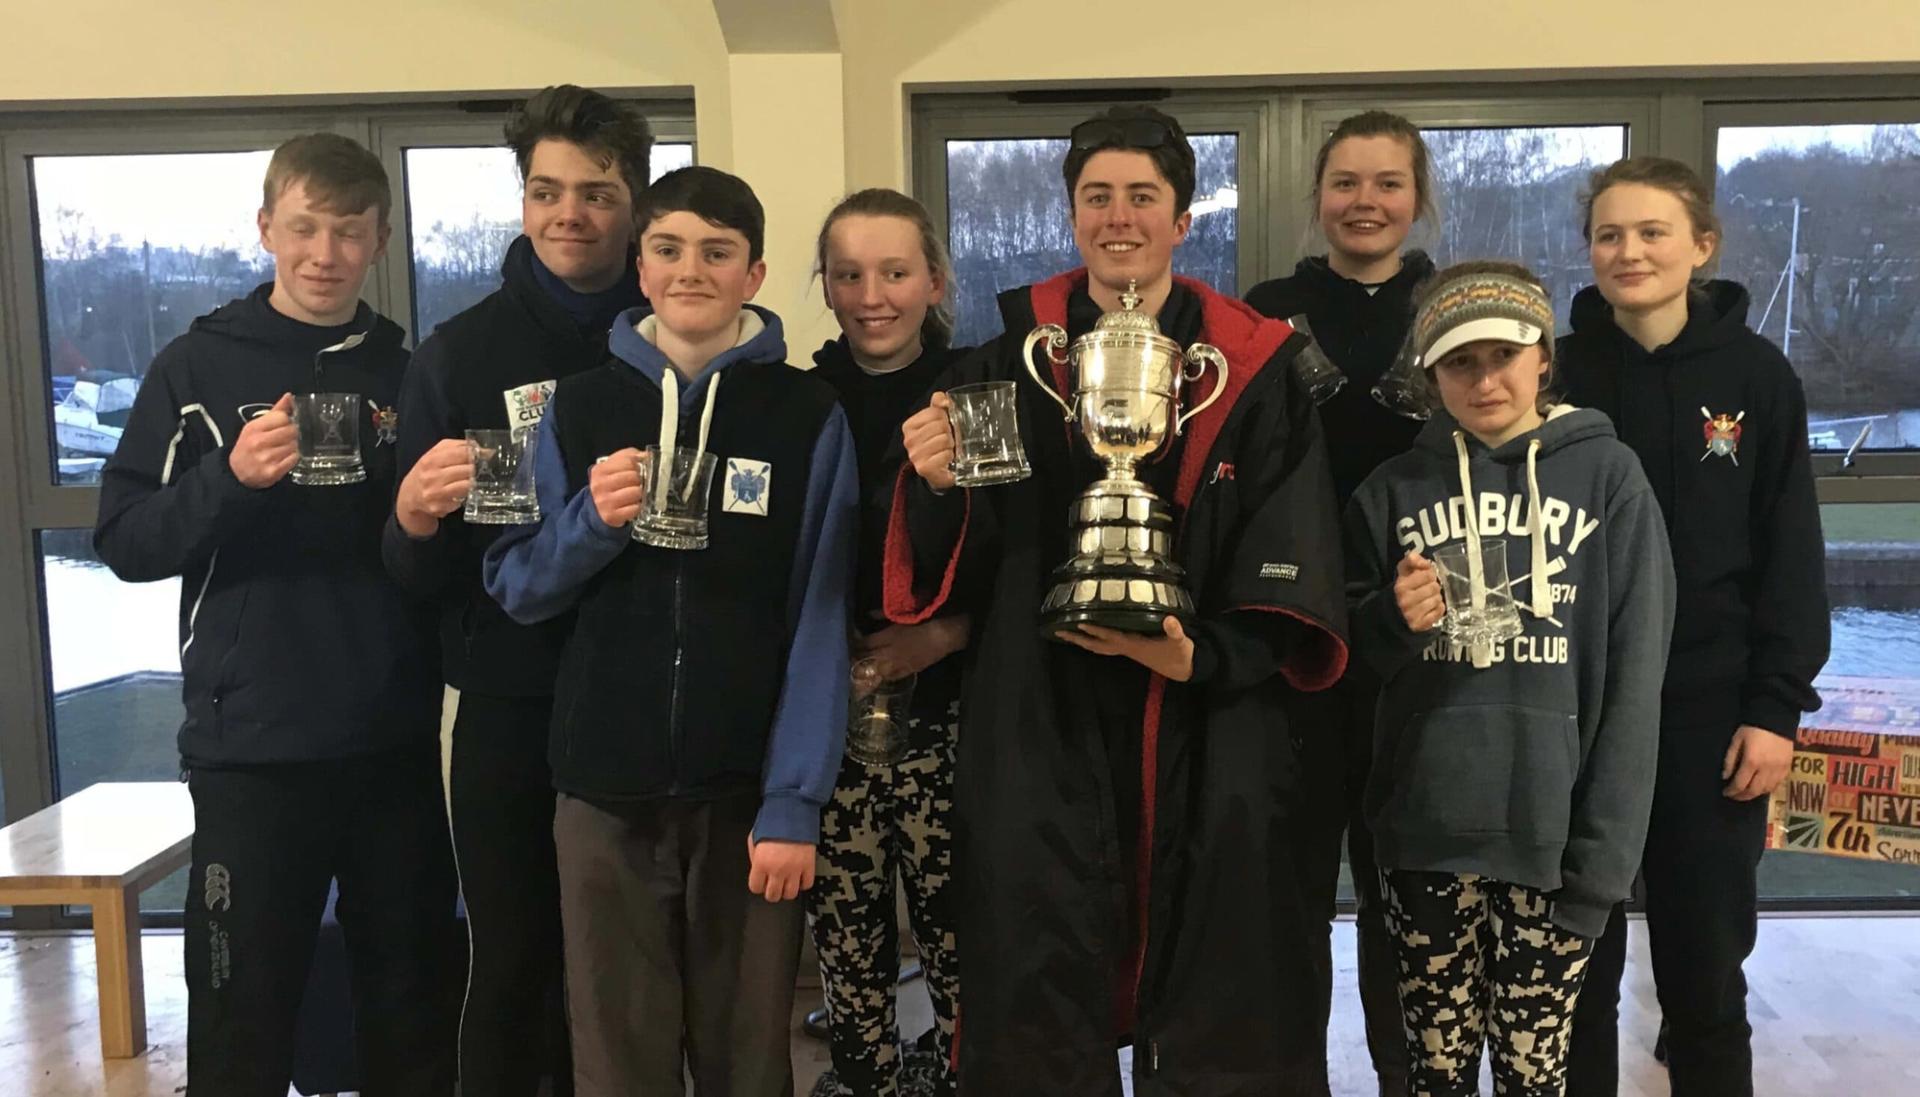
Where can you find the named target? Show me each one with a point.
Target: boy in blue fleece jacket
(702, 697)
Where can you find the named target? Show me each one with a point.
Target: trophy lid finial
(1128, 316)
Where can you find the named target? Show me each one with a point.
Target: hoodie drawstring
(1481, 650)
(1541, 603)
(1476, 563)
(670, 431)
(1542, 606)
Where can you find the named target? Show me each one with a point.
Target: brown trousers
(672, 964)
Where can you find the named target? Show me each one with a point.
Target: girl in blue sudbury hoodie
(1511, 783)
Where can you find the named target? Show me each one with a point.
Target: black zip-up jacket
(1123, 834)
(294, 643)
(493, 366)
(1361, 332)
(876, 405)
(1719, 421)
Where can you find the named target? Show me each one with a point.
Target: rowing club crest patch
(1723, 434)
(749, 488)
(386, 423)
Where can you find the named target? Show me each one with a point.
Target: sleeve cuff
(786, 817)
(1206, 655)
(599, 530)
(1580, 916)
(1772, 714)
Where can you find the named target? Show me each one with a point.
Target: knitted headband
(1472, 307)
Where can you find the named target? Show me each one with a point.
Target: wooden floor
(1835, 1004)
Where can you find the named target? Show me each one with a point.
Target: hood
(564, 312)
(759, 339)
(251, 319)
(1443, 439)
(1317, 272)
(1716, 317)
(1565, 425)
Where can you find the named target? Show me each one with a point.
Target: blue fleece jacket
(538, 572)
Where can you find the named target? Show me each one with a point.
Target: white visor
(1503, 328)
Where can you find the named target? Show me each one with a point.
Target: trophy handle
(1198, 355)
(1055, 337)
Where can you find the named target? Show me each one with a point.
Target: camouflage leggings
(1480, 959)
(882, 819)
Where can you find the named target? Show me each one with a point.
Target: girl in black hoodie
(1372, 181)
(1719, 421)
(886, 275)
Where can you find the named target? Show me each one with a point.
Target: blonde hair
(937, 329)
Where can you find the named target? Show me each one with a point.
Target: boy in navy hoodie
(582, 157)
(701, 702)
(308, 678)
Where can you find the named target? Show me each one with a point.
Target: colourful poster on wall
(1854, 787)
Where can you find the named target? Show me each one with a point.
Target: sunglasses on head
(1132, 133)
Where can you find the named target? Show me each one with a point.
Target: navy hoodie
(1528, 761)
(1361, 329)
(692, 674)
(1719, 421)
(294, 643)
(492, 366)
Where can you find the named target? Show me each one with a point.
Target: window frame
(1673, 118)
(30, 498)
(479, 125)
(1012, 116)
(1876, 476)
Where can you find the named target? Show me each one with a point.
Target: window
(1822, 225)
(114, 665)
(1873, 582)
(1008, 221)
(988, 168)
(117, 230)
(131, 249)
(1513, 193)
(463, 206)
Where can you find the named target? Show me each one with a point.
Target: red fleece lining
(1129, 993)
(1248, 340)
(1050, 307)
(1318, 664)
(896, 584)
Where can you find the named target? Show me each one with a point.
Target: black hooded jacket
(876, 405)
(1361, 328)
(495, 366)
(294, 643)
(1124, 840)
(1719, 421)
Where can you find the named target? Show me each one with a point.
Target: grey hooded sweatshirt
(1531, 760)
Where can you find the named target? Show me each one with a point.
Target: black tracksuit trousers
(268, 840)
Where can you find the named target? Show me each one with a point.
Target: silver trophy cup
(1127, 381)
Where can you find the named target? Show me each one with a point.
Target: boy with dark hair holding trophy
(1126, 778)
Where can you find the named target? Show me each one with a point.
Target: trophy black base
(1143, 621)
(1122, 575)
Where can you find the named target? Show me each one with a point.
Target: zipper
(679, 660)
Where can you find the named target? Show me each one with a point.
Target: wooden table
(102, 847)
